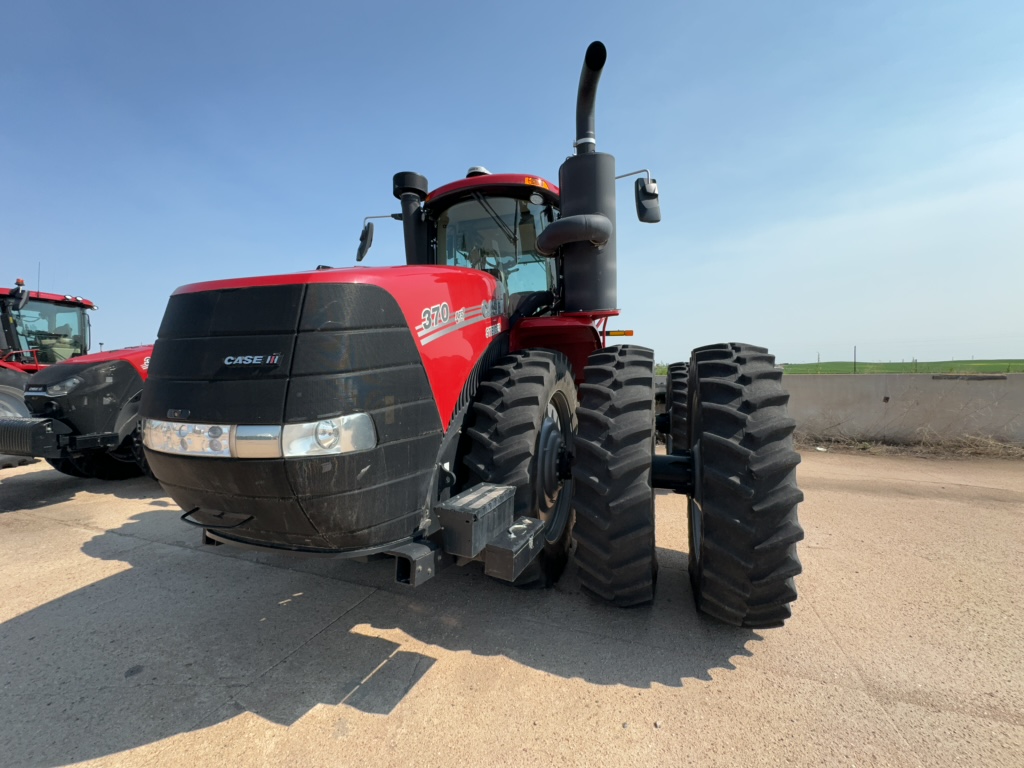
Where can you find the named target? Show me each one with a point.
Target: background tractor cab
(42, 328)
(37, 330)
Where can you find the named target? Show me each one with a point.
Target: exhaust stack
(586, 230)
(593, 63)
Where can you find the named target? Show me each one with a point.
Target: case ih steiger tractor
(77, 411)
(465, 407)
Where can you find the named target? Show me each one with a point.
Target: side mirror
(365, 241)
(648, 210)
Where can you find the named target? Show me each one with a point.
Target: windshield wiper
(497, 219)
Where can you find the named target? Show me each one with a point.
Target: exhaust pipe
(593, 63)
(585, 233)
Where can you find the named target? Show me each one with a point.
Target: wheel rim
(553, 480)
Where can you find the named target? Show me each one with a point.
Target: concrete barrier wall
(908, 407)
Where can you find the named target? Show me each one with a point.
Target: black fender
(128, 417)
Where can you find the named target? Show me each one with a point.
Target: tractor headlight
(190, 439)
(341, 434)
(63, 387)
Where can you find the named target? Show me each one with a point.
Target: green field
(913, 366)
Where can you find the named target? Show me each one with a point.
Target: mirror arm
(366, 238)
(635, 173)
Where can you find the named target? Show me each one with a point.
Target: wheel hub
(550, 453)
(553, 472)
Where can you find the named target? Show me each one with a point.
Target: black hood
(92, 406)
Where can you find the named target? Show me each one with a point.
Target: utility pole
(854, 358)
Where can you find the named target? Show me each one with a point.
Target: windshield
(498, 235)
(58, 332)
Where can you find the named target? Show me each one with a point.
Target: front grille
(328, 349)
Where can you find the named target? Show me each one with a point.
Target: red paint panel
(137, 356)
(526, 181)
(57, 298)
(574, 336)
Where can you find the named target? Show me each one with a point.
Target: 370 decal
(439, 320)
(439, 314)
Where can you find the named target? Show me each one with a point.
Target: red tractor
(465, 407)
(77, 411)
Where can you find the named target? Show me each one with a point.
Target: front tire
(614, 498)
(743, 522)
(522, 434)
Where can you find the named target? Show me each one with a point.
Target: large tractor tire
(12, 403)
(614, 498)
(98, 464)
(677, 403)
(743, 522)
(522, 430)
(75, 467)
(109, 466)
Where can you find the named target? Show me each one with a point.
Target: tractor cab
(40, 329)
(491, 223)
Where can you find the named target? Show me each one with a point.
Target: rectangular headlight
(342, 434)
(187, 439)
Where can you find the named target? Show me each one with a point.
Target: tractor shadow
(187, 636)
(38, 485)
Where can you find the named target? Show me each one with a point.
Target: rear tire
(80, 467)
(743, 522)
(614, 498)
(106, 466)
(522, 433)
(677, 403)
(128, 461)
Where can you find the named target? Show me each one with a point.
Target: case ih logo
(253, 359)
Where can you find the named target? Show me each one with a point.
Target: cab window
(58, 332)
(498, 235)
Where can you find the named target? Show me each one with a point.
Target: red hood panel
(454, 314)
(137, 356)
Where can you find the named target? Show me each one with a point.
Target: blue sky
(832, 174)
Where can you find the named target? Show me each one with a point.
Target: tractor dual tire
(677, 403)
(614, 497)
(521, 434)
(743, 524)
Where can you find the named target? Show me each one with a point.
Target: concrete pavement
(125, 642)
